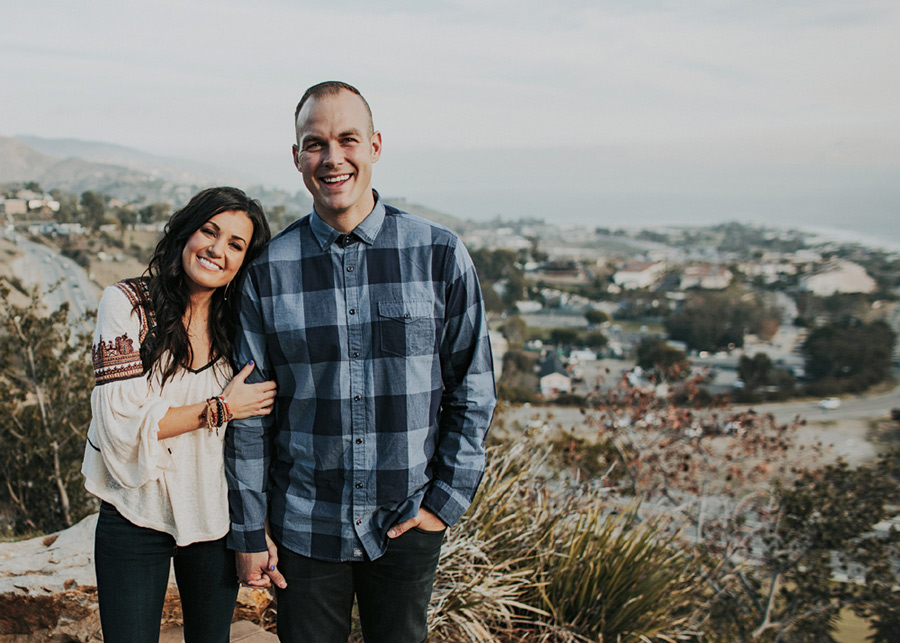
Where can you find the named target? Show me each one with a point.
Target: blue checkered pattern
(379, 344)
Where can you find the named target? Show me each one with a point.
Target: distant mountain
(131, 175)
(19, 162)
(160, 167)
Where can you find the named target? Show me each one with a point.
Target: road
(862, 407)
(844, 431)
(40, 266)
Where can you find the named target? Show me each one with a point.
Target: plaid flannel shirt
(379, 344)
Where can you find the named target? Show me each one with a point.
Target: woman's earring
(226, 290)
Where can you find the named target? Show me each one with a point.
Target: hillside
(132, 176)
(129, 175)
(162, 168)
(19, 162)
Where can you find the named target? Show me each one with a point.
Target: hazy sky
(575, 110)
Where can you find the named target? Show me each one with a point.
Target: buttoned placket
(360, 442)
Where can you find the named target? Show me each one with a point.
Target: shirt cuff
(247, 541)
(444, 503)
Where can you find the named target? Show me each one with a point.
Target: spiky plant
(537, 560)
(613, 577)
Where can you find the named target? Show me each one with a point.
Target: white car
(829, 404)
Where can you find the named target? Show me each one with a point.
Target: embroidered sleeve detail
(138, 293)
(116, 359)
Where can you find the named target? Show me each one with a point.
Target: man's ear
(376, 146)
(295, 150)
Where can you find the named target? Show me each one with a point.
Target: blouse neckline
(203, 368)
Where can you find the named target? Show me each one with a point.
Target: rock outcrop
(48, 591)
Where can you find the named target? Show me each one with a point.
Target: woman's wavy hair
(169, 290)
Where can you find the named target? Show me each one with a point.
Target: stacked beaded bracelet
(217, 413)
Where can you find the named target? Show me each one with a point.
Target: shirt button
(406, 316)
(359, 485)
(357, 398)
(356, 354)
(353, 311)
(349, 268)
(359, 521)
(359, 440)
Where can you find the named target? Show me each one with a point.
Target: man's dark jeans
(392, 593)
(132, 565)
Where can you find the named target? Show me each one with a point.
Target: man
(372, 323)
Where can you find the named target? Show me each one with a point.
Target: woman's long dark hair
(169, 291)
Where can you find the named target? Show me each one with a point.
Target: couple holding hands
(307, 411)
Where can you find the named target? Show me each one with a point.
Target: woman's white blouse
(175, 485)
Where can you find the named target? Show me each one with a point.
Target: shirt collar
(366, 231)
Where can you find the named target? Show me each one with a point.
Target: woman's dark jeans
(132, 565)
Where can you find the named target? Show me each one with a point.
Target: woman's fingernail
(271, 568)
(251, 363)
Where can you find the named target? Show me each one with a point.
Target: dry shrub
(537, 559)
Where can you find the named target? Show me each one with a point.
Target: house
(838, 276)
(638, 274)
(770, 268)
(40, 204)
(554, 380)
(15, 206)
(706, 277)
(562, 272)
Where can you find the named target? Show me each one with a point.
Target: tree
(595, 339)
(656, 354)
(849, 356)
(126, 218)
(821, 553)
(755, 371)
(155, 212)
(596, 317)
(785, 545)
(518, 382)
(68, 206)
(514, 330)
(537, 254)
(45, 390)
(564, 337)
(93, 209)
(716, 321)
(500, 267)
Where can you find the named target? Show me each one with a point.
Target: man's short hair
(332, 88)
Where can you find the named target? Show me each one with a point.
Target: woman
(164, 393)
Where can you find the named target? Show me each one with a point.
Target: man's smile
(335, 179)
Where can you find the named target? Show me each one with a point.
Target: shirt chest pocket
(406, 328)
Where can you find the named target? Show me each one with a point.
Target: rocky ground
(48, 592)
